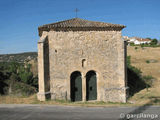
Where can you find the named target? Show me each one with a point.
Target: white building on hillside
(136, 40)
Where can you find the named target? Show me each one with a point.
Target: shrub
(148, 79)
(14, 76)
(23, 89)
(132, 44)
(154, 42)
(147, 61)
(26, 76)
(136, 48)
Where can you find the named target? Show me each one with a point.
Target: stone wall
(103, 52)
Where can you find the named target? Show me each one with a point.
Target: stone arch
(91, 85)
(76, 86)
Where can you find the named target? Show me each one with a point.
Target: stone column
(42, 79)
(41, 83)
(83, 88)
(121, 68)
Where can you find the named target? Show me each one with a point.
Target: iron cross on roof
(76, 10)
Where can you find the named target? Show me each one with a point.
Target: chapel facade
(81, 60)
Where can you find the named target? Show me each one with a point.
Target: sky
(19, 19)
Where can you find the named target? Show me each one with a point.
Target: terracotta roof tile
(142, 39)
(77, 23)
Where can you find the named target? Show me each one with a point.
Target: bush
(154, 42)
(147, 61)
(136, 48)
(132, 44)
(23, 89)
(148, 80)
(13, 75)
(149, 45)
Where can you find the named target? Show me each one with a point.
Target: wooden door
(91, 86)
(76, 86)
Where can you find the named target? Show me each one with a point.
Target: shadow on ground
(135, 81)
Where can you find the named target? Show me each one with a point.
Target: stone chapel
(81, 60)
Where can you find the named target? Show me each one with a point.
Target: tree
(25, 74)
(154, 42)
(14, 67)
(149, 38)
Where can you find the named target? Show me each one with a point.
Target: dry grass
(138, 59)
(33, 100)
(140, 56)
(17, 100)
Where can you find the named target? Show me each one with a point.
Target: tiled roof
(142, 39)
(78, 23)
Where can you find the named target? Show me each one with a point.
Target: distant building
(136, 40)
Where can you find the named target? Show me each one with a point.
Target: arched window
(83, 62)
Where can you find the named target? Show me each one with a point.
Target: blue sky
(19, 19)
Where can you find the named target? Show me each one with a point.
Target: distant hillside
(20, 57)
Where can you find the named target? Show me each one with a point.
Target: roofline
(40, 30)
(81, 19)
(57, 26)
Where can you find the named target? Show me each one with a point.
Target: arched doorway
(91, 86)
(76, 86)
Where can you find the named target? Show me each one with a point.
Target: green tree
(154, 42)
(14, 67)
(25, 74)
(35, 81)
(13, 74)
(149, 38)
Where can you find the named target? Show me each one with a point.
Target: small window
(83, 62)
